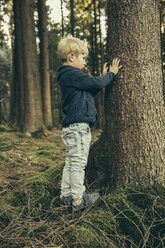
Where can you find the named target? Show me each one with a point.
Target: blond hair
(71, 45)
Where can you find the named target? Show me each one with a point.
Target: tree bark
(98, 98)
(92, 49)
(62, 19)
(44, 63)
(133, 138)
(72, 16)
(17, 102)
(33, 119)
(95, 39)
(100, 38)
(162, 20)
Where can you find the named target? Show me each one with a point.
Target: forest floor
(23, 157)
(31, 214)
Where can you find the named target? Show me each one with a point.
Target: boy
(78, 90)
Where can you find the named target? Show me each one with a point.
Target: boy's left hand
(105, 68)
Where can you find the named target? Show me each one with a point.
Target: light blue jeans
(77, 138)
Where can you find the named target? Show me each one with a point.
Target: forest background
(85, 21)
(126, 162)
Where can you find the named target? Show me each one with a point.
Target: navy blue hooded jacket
(78, 90)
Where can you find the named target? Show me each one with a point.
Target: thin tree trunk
(162, 19)
(44, 63)
(72, 16)
(62, 19)
(98, 99)
(102, 117)
(95, 39)
(1, 117)
(100, 38)
(33, 119)
(17, 103)
(92, 51)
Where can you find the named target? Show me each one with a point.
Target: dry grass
(33, 217)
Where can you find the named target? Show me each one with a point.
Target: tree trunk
(95, 39)
(17, 102)
(72, 16)
(98, 98)
(92, 49)
(133, 140)
(62, 19)
(44, 63)
(162, 19)
(33, 119)
(1, 117)
(100, 38)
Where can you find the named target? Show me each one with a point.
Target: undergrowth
(32, 216)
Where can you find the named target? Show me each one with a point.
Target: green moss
(97, 228)
(5, 158)
(37, 190)
(39, 133)
(5, 146)
(5, 220)
(96, 133)
(44, 153)
(21, 135)
(3, 129)
(50, 175)
(46, 147)
(2, 170)
(159, 189)
(56, 141)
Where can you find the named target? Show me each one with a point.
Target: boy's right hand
(115, 67)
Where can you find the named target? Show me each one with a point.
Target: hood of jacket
(65, 68)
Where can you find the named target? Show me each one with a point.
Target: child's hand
(105, 68)
(115, 67)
